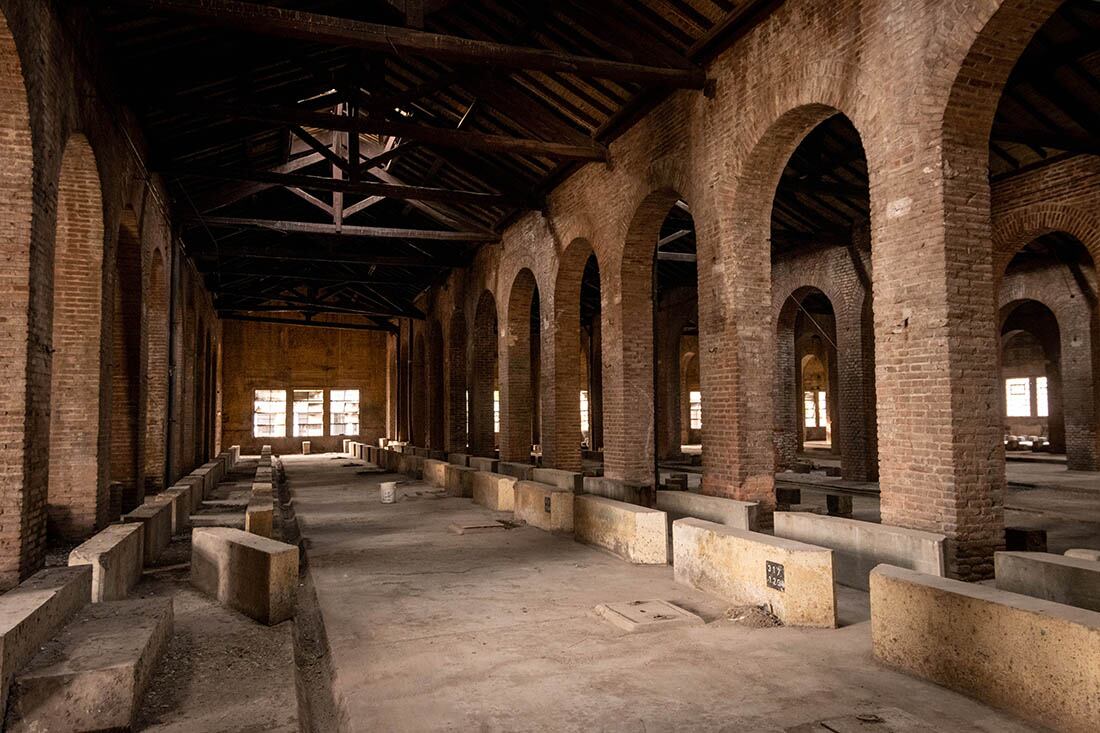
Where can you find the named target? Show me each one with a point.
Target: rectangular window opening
(343, 411)
(1018, 397)
(269, 413)
(695, 403)
(309, 413)
(1042, 408)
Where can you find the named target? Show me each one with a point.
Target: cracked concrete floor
(433, 631)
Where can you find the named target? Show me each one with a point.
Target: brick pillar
(1072, 398)
(456, 384)
(853, 396)
(126, 466)
(437, 420)
(517, 393)
(482, 365)
(155, 381)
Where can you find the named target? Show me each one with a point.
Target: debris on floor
(753, 617)
(885, 720)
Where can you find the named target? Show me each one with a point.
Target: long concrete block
(460, 480)
(179, 502)
(636, 534)
(1068, 580)
(1084, 554)
(561, 479)
(435, 473)
(33, 611)
(156, 518)
(116, 557)
(480, 463)
(619, 491)
(793, 578)
(251, 574)
(196, 484)
(1035, 658)
(234, 455)
(259, 516)
(495, 491)
(859, 546)
(543, 506)
(206, 473)
(521, 471)
(458, 459)
(93, 674)
(718, 509)
(261, 488)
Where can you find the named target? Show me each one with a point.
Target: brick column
(517, 393)
(456, 384)
(854, 395)
(482, 365)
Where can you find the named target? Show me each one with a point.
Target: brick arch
(482, 369)
(155, 382)
(518, 382)
(1015, 230)
(457, 437)
(126, 465)
(78, 499)
(435, 363)
(561, 437)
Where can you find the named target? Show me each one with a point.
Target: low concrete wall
(1084, 554)
(1068, 580)
(179, 499)
(435, 473)
(262, 488)
(617, 490)
(259, 516)
(1035, 658)
(33, 611)
(793, 578)
(489, 465)
(562, 479)
(521, 471)
(458, 459)
(195, 483)
(495, 491)
(545, 507)
(459, 480)
(634, 533)
(254, 575)
(156, 518)
(860, 546)
(116, 558)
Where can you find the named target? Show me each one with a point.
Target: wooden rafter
(303, 227)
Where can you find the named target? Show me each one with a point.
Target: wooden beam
(366, 188)
(304, 227)
(218, 199)
(227, 316)
(318, 28)
(305, 304)
(326, 253)
(439, 136)
(1056, 140)
(676, 256)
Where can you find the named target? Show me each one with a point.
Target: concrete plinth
(1083, 554)
(521, 471)
(435, 473)
(116, 558)
(93, 674)
(636, 534)
(459, 480)
(259, 516)
(545, 507)
(254, 575)
(262, 489)
(860, 546)
(1035, 658)
(179, 499)
(195, 483)
(730, 512)
(33, 611)
(1068, 580)
(156, 517)
(794, 579)
(561, 479)
(489, 465)
(458, 459)
(495, 491)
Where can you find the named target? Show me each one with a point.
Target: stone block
(859, 546)
(93, 674)
(156, 517)
(543, 506)
(345, 446)
(251, 574)
(435, 473)
(33, 611)
(1084, 554)
(307, 446)
(521, 471)
(458, 459)
(1068, 580)
(794, 579)
(260, 488)
(459, 480)
(116, 557)
(196, 484)
(495, 491)
(234, 455)
(561, 479)
(206, 473)
(620, 491)
(1035, 658)
(730, 512)
(489, 465)
(259, 516)
(636, 534)
(179, 501)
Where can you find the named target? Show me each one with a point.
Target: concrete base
(793, 579)
(459, 480)
(634, 533)
(195, 483)
(254, 575)
(435, 473)
(157, 519)
(1057, 578)
(730, 512)
(262, 488)
(641, 616)
(259, 516)
(561, 479)
(92, 675)
(495, 491)
(458, 459)
(1033, 657)
(33, 611)
(489, 465)
(179, 499)
(521, 471)
(116, 557)
(860, 546)
(619, 491)
(544, 506)
(1083, 554)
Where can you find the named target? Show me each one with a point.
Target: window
(822, 414)
(1018, 397)
(1041, 407)
(584, 411)
(309, 413)
(814, 405)
(695, 405)
(269, 413)
(343, 407)
(496, 411)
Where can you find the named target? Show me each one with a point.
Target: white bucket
(389, 492)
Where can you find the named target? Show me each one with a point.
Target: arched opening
(591, 366)
(156, 374)
(484, 402)
(78, 501)
(519, 399)
(1031, 372)
(825, 417)
(457, 388)
(437, 419)
(419, 433)
(126, 466)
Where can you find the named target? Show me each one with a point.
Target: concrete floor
(429, 630)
